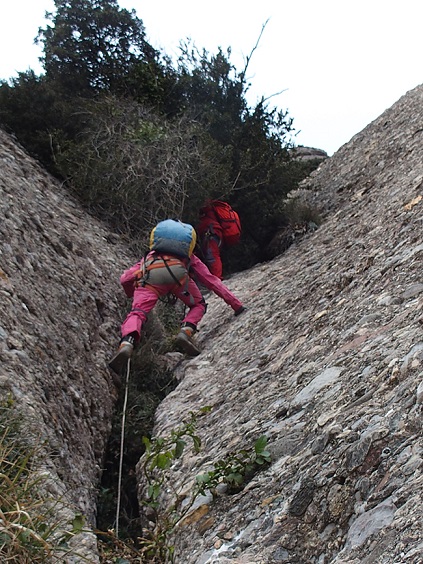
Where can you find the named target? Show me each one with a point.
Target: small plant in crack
(161, 454)
(236, 468)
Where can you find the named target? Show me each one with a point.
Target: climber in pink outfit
(145, 292)
(145, 298)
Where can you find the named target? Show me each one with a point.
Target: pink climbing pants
(145, 298)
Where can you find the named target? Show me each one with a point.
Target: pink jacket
(197, 270)
(200, 273)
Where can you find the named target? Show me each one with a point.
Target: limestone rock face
(60, 304)
(327, 362)
(302, 153)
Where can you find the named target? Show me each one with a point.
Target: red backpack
(229, 221)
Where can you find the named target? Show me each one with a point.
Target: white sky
(339, 63)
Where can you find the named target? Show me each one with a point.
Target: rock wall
(327, 363)
(60, 305)
(302, 153)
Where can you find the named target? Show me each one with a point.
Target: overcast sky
(338, 63)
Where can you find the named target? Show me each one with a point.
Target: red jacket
(208, 224)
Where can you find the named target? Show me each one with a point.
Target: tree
(92, 45)
(254, 143)
(141, 139)
(214, 92)
(31, 110)
(133, 168)
(93, 48)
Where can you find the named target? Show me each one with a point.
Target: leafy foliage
(133, 168)
(92, 48)
(92, 45)
(213, 91)
(161, 455)
(139, 138)
(30, 109)
(236, 468)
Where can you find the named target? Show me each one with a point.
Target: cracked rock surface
(60, 304)
(327, 362)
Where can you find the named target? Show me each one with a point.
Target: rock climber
(168, 268)
(210, 240)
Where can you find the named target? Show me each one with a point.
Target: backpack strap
(164, 259)
(169, 270)
(143, 279)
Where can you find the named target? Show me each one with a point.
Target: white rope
(122, 438)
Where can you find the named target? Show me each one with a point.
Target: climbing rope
(122, 438)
